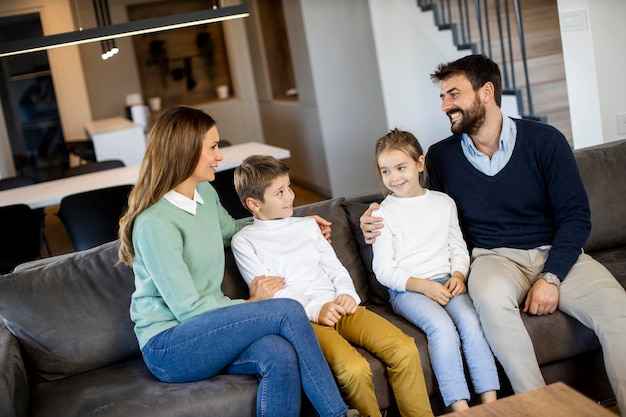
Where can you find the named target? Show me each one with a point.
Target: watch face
(551, 278)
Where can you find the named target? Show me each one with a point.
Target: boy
(277, 244)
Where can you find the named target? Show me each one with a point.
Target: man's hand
(330, 314)
(542, 299)
(264, 288)
(456, 284)
(324, 226)
(348, 303)
(369, 224)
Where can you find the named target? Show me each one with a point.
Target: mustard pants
(352, 371)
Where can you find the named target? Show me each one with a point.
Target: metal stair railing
(469, 20)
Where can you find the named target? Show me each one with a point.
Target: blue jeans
(272, 339)
(444, 344)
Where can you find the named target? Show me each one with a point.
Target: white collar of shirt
(184, 203)
(271, 223)
(480, 161)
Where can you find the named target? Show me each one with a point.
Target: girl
(173, 235)
(422, 259)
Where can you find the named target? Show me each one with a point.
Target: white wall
(340, 112)
(294, 125)
(595, 58)
(409, 47)
(347, 87)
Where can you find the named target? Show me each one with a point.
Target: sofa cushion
(341, 240)
(129, 389)
(602, 171)
(71, 314)
(14, 392)
(355, 207)
(615, 261)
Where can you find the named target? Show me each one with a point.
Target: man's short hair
(478, 68)
(255, 174)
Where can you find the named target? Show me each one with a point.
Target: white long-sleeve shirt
(421, 239)
(295, 249)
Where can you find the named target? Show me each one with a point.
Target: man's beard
(471, 119)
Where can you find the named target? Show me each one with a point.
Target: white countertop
(108, 125)
(51, 192)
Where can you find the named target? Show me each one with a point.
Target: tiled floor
(59, 242)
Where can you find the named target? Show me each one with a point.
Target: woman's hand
(324, 226)
(264, 287)
(370, 225)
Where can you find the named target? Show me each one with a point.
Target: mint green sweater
(179, 263)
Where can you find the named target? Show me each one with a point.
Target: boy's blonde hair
(399, 140)
(255, 174)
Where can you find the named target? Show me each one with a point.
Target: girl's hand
(436, 292)
(456, 284)
(348, 303)
(264, 287)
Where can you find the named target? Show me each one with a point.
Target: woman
(172, 235)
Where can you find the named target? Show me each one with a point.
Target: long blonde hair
(172, 153)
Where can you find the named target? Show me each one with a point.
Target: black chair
(21, 181)
(21, 236)
(93, 167)
(83, 149)
(92, 218)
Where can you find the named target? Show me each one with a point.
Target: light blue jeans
(443, 325)
(272, 339)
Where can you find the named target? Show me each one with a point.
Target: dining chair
(93, 167)
(21, 236)
(92, 218)
(8, 183)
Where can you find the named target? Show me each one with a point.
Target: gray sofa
(67, 346)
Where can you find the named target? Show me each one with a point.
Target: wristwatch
(551, 278)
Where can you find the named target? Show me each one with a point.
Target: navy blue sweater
(537, 198)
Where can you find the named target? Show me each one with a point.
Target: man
(526, 216)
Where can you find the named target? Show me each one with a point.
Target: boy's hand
(456, 284)
(348, 303)
(264, 288)
(330, 314)
(324, 226)
(370, 225)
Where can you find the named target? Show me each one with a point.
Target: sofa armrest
(14, 391)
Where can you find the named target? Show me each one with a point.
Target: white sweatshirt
(421, 239)
(295, 249)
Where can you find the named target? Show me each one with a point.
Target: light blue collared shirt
(482, 162)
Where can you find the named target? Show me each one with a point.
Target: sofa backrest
(70, 313)
(602, 170)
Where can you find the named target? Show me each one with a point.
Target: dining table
(50, 193)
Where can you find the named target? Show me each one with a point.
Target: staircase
(524, 38)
